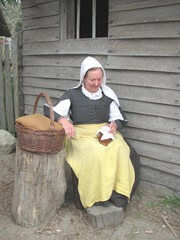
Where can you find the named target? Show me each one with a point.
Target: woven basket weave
(41, 141)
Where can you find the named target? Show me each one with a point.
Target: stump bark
(39, 187)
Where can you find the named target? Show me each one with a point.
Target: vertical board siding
(9, 85)
(142, 59)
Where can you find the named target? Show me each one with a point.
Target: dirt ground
(144, 217)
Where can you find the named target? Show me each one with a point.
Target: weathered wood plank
(28, 109)
(30, 100)
(160, 178)
(70, 46)
(146, 15)
(155, 137)
(146, 30)
(46, 9)
(9, 106)
(70, 20)
(160, 64)
(157, 152)
(2, 105)
(144, 47)
(152, 109)
(54, 93)
(154, 123)
(50, 83)
(138, 4)
(147, 94)
(41, 35)
(161, 166)
(159, 189)
(44, 22)
(16, 81)
(63, 20)
(122, 2)
(53, 61)
(27, 4)
(58, 60)
(144, 79)
(49, 72)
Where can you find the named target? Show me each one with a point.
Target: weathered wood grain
(94, 47)
(154, 123)
(41, 35)
(39, 188)
(144, 79)
(47, 9)
(155, 137)
(117, 6)
(2, 106)
(26, 4)
(44, 22)
(152, 109)
(50, 83)
(55, 93)
(9, 106)
(59, 72)
(155, 95)
(158, 165)
(146, 15)
(160, 178)
(144, 47)
(145, 30)
(16, 82)
(130, 78)
(63, 20)
(160, 64)
(158, 152)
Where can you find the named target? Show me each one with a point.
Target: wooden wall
(142, 60)
(144, 68)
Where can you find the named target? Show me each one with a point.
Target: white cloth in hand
(105, 133)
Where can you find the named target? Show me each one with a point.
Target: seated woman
(105, 172)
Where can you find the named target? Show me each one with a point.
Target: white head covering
(89, 63)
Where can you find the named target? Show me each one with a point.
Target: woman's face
(93, 80)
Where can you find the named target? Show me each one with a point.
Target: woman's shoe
(119, 200)
(103, 204)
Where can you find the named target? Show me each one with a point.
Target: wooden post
(39, 188)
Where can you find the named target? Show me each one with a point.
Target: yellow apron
(100, 169)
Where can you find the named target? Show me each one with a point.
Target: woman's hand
(68, 127)
(113, 127)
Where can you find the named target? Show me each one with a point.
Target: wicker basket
(40, 141)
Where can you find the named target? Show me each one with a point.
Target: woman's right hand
(68, 127)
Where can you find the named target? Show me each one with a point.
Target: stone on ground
(101, 217)
(7, 142)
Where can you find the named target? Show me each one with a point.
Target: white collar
(92, 96)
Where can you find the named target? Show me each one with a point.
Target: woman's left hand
(113, 127)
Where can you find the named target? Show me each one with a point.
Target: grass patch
(173, 201)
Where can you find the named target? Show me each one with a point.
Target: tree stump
(39, 187)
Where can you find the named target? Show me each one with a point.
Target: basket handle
(50, 107)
